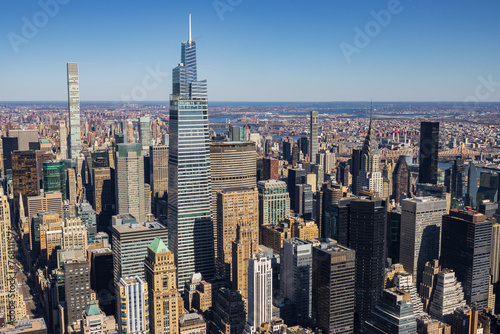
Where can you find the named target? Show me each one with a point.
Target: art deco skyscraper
(370, 176)
(190, 235)
(428, 158)
(314, 136)
(161, 278)
(74, 110)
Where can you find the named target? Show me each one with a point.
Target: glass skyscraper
(190, 234)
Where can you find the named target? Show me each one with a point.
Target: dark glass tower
(471, 185)
(428, 157)
(367, 236)
(355, 168)
(190, 235)
(466, 249)
(401, 179)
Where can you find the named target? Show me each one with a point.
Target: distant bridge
(459, 151)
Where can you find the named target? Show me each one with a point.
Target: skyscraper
(158, 155)
(355, 169)
(471, 185)
(24, 175)
(296, 278)
(260, 292)
(130, 186)
(448, 296)
(466, 247)
(401, 179)
(367, 236)
(145, 132)
(274, 202)
(334, 272)
(420, 233)
(54, 177)
(63, 139)
(370, 176)
(191, 230)
(76, 288)
(428, 157)
(161, 278)
(74, 110)
(233, 164)
(132, 307)
(314, 136)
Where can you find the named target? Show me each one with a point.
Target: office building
(74, 234)
(304, 200)
(145, 133)
(71, 186)
(158, 170)
(237, 210)
(448, 296)
(270, 169)
(428, 155)
(370, 176)
(296, 278)
(274, 202)
(130, 244)
(229, 313)
(191, 232)
(161, 277)
(428, 284)
(12, 306)
(24, 175)
(192, 323)
(47, 202)
(465, 248)
(54, 177)
(404, 281)
(101, 277)
(233, 164)
(76, 288)
(245, 245)
(420, 242)
(367, 236)
(197, 294)
(495, 265)
(63, 139)
(458, 179)
(132, 307)
(393, 314)
(104, 194)
(334, 272)
(401, 180)
(305, 230)
(129, 182)
(472, 177)
(314, 136)
(95, 321)
(260, 289)
(295, 176)
(74, 111)
(29, 326)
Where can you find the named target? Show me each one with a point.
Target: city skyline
(138, 43)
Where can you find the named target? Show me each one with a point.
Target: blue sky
(254, 50)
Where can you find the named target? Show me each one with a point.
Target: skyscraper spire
(371, 115)
(189, 40)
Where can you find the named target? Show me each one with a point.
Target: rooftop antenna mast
(190, 29)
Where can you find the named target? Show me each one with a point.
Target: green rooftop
(158, 246)
(92, 309)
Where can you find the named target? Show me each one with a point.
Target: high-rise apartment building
(132, 306)
(274, 202)
(334, 272)
(130, 244)
(314, 136)
(428, 156)
(370, 176)
(465, 248)
(161, 277)
(296, 261)
(367, 236)
(233, 164)
(260, 292)
(420, 242)
(63, 139)
(191, 230)
(130, 195)
(237, 210)
(74, 111)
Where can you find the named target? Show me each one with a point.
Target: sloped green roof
(158, 246)
(92, 309)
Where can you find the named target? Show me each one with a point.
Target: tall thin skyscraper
(428, 158)
(471, 196)
(74, 110)
(63, 139)
(190, 235)
(260, 292)
(314, 136)
(144, 132)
